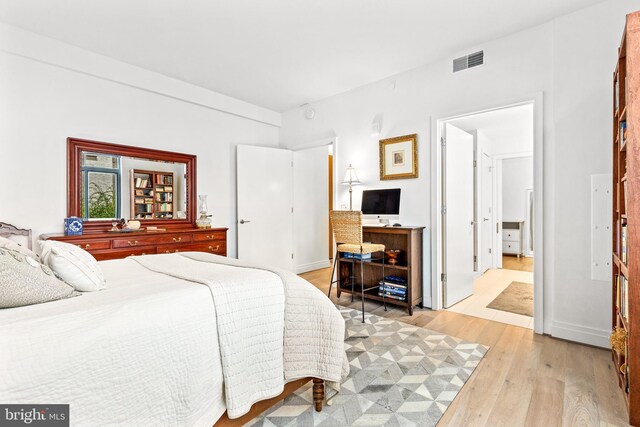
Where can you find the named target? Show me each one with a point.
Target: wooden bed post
(318, 393)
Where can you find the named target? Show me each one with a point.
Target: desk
(409, 266)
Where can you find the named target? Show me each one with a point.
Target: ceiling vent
(468, 61)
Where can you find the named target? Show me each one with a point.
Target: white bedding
(262, 342)
(144, 351)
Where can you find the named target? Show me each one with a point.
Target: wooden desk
(409, 266)
(106, 245)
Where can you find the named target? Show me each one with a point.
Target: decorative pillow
(14, 246)
(24, 281)
(74, 265)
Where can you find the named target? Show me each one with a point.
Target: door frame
(498, 197)
(437, 123)
(326, 142)
(492, 217)
(527, 233)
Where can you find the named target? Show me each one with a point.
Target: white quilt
(263, 341)
(142, 352)
(145, 351)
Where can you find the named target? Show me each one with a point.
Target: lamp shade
(350, 177)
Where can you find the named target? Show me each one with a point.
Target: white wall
(570, 60)
(48, 93)
(517, 176)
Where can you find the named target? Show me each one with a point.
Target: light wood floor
(510, 262)
(524, 380)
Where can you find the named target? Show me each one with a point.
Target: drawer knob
(87, 246)
(211, 248)
(209, 237)
(135, 242)
(177, 239)
(168, 251)
(137, 254)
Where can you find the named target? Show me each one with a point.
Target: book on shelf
(393, 289)
(395, 279)
(622, 296)
(142, 182)
(617, 93)
(624, 195)
(393, 285)
(353, 255)
(165, 207)
(623, 132)
(623, 243)
(395, 297)
(164, 179)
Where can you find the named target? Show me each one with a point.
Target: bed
(168, 343)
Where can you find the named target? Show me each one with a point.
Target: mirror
(111, 181)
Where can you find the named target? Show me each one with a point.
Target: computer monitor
(383, 204)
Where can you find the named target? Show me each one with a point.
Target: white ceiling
(279, 53)
(510, 130)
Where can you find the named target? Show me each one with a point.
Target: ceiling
(279, 54)
(509, 129)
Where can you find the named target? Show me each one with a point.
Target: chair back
(347, 226)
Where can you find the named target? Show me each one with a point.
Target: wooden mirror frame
(75, 148)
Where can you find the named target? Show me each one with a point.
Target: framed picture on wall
(399, 157)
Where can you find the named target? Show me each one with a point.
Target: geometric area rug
(400, 375)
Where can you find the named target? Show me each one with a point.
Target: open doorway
(486, 222)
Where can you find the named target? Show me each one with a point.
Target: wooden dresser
(108, 245)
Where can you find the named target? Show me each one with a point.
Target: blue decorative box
(73, 226)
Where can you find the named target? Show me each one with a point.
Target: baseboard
(581, 334)
(303, 268)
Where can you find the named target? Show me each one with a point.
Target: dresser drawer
(218, 248)
(134, 241)
(208, 237)
(123, 253)
(511, 248)
(510, 235)
(92, 245)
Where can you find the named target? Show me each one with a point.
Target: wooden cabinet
(512, 232)
(107, 245)
(625, 291)
(409, 265)
(151, 194)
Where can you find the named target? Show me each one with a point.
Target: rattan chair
(347, 231)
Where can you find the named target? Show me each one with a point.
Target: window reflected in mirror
(101, 192)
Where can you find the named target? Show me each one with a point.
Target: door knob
(242, 221)
(485, 219)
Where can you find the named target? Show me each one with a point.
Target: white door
(311, 208)
(458, 216)
(485, 217)
(265, 205)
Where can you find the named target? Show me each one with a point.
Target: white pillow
(74, 265)
(14, 246)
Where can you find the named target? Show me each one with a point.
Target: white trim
(31, 46)
(436, 243)
(527, 235)
(303, 268)
(581, 334)
(497, 217)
